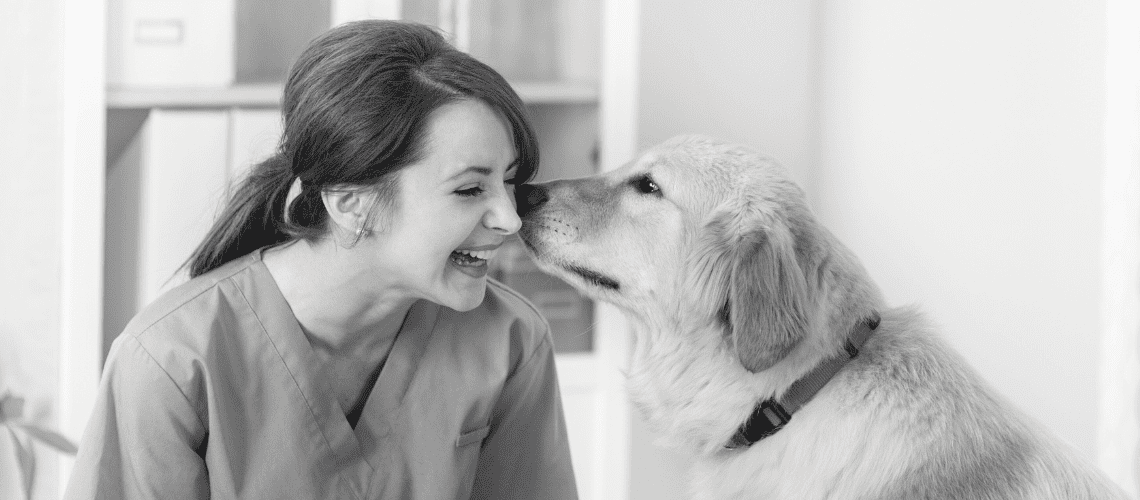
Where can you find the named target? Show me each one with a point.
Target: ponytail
(251, 219)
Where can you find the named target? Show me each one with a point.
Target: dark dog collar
(772, 414)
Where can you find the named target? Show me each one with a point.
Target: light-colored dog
(738, 296)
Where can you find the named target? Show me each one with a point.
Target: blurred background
(981, 157)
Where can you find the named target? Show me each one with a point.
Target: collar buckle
(767, 419)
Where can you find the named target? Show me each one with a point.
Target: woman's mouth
(471, 262)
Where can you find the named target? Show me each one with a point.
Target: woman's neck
(320, 280)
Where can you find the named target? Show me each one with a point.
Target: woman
(340, 338)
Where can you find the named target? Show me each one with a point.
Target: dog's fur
(734, 291)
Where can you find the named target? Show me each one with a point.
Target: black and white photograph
(570, 249)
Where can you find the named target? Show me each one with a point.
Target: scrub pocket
(474, 436)
(467, 447)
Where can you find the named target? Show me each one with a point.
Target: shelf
(255, 96)
(269, 96)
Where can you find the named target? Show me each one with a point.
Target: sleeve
(527, 452)
(142, 437)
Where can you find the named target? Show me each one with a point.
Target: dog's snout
(529, 197)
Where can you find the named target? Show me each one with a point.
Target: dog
(761, 345)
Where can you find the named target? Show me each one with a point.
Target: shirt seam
(510, 291)
(181, 391)
(545, 337)
(177, 307)
(277, 350)
(533, 354)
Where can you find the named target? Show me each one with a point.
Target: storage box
(170, 43)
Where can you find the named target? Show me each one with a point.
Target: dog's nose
(529, 197)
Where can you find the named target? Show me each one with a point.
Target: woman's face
(454, 209)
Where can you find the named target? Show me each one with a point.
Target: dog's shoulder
(906, 368)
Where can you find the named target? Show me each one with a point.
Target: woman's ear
(768, 298)
(348, 209)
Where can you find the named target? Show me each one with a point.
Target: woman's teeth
(471, 257)
(478, 254)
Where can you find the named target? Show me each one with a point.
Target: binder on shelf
(170, 43)
(254, 134)
(163, 194)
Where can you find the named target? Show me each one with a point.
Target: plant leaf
(26, 459)
(49, 437)
(11, 407)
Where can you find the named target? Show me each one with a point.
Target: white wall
(962, 160)
(955, 146)
(30, 136)
(744, 71)
(1118, 429)
(51, 135)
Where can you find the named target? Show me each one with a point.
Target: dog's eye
(646, 185)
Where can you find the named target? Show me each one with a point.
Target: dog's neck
(692, 390)
(771, 414)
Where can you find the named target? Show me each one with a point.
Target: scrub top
(211, 392)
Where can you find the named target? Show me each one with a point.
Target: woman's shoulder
(197, 302)
(506, 323)
(504, 300)
(173, 337)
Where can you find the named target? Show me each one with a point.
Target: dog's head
(698, 231)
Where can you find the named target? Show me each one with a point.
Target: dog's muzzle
(529, 197)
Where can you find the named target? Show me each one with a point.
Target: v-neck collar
(355, 448)
(396, 376)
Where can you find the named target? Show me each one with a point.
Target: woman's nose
(501, 216)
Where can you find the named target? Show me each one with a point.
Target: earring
(362, 232)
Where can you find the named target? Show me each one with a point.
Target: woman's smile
(473, 261)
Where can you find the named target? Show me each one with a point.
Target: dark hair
(355, 110)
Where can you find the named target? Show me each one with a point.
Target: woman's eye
(646, 185)
(471, 191)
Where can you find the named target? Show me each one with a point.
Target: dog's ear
(768, 298)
